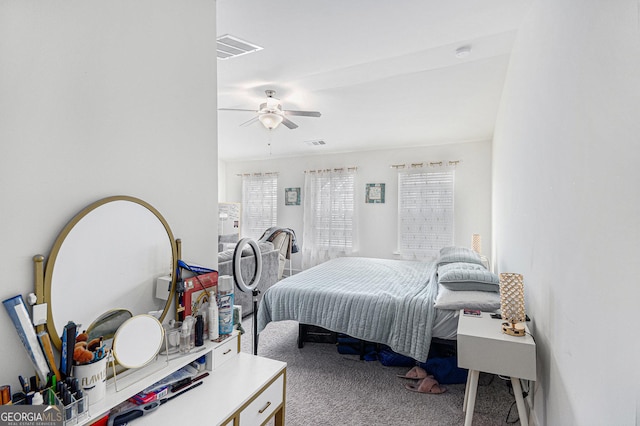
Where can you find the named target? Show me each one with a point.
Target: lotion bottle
(212, 316)
(225, 301)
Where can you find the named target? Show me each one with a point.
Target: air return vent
(316, 142)
(230, 47)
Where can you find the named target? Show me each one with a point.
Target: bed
(393, 302)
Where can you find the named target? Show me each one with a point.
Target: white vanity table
(241, 389)
(123, 244)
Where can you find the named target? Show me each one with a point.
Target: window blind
(333, 209)
(259, 204)
(329, 204)
(425, 213)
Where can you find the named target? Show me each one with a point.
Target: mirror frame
(43, 282)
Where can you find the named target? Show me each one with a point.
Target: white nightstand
(482, 346)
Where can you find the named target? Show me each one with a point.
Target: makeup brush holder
(93, 379)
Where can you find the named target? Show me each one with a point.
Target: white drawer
(259, 410)
(225, 352)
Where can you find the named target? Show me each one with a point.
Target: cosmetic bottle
(212, 316)
(199, 331)
(37, 399)
(192, 332)
(185, 337)
(225, 304)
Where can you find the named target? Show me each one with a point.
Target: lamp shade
(270, 120)
(512, 303)
(476, 243)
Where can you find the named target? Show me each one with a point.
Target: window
(425, 213)
(329, 202)
(259, 204)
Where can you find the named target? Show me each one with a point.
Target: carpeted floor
(327, 388)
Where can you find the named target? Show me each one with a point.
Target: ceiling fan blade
(236, 109)
(303, 113)
(248, 122)
(290, 124)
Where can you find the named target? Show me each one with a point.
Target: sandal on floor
(416, 373)
(427, 385)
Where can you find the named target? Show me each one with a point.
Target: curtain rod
(258, 174)
(450, 163)
(337, 169)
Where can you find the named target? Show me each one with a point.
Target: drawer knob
(226, 352)
(265, 407)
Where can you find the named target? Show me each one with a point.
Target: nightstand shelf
(482, 346)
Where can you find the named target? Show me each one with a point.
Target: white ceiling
(382, 73)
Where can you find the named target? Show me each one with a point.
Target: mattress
(445, 325)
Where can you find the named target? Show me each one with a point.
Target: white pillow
(469, 299)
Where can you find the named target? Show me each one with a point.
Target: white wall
(378, 222)
(566, 208)
(98, 99)
(222, 180)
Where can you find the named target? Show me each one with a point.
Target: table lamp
(476, 243)
(512, 304)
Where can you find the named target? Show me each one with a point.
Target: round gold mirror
(107, 257)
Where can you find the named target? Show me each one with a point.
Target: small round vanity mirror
(138, 341)
(108, 257)
(106, 325)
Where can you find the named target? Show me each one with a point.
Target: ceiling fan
(271, 114)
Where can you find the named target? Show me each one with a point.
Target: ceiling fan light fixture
(270, 120)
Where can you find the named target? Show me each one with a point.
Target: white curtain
(259, 204)
(425, 213)
(329, 203)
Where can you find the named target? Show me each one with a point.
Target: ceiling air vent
(315, 143)
(230, 47)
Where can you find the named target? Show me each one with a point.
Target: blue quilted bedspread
(377, 300)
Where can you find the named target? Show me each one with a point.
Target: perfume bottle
(185, 336)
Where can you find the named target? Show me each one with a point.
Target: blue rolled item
(194, 268)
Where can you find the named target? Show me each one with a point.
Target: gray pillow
(459, 265)
(469, 279)
(458, 254)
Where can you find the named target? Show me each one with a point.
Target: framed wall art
(292, 196)
(374, 193)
